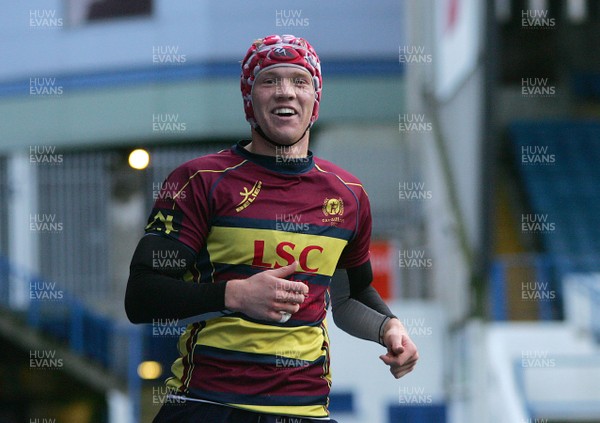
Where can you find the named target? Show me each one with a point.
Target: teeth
(284, 111)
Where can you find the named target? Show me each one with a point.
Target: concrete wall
(106, 80)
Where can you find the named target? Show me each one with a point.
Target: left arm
(359, 310)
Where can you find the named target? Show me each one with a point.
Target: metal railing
(115, 346)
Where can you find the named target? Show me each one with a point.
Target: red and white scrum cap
(275, 50)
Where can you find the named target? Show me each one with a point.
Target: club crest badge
(333, 209)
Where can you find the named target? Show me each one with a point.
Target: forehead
(285, 72)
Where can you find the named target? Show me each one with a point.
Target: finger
(279, 311)
(396, 349)
(386, 359)
(402, 368)
(410, 362)
(296, 287)
(283, 296)
(403, 361)
(397, 362)
(410, 347)
(399, 374)
(395, 368)
(287, 307)
(284, 271)
(390, 361)
(274, 316)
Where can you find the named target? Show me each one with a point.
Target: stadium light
(149, 370)
(139, 159)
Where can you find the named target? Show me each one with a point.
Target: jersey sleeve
(180, 210)
(357, 250)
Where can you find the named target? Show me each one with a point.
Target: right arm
(155, 289)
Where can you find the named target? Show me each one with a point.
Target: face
(283, 99)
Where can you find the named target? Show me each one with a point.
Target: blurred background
(474, 126)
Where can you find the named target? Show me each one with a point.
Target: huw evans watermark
(413, 191)
(167, 328)
(289, 86)
(413, 122)
(167, 190)
(417, 326)
(413, 395)
(45, 87)
(414, 259)
(45, 222)
(168, 259)
(537, 19)
(44, 18)
(537, 359)
(290, 18)
(413, 54)
(165, 394)
(45, 359)
(44, 155)
(167, 54)
(537, 155)
(167, 123)
(290, 155)
(289, 358)
(290, 222)
(45, 291)
(537, 291)
(537, 87)
(537, 223)
(283, 294)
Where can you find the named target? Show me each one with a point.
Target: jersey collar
(276, 163)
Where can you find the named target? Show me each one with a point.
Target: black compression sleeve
(360, 279)
(155, 289)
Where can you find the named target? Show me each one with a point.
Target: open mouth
(284, 112)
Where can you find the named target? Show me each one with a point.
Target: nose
(286, 89)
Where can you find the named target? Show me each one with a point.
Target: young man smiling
(282, 100)
(254, 291)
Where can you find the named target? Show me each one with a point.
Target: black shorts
(200, 412)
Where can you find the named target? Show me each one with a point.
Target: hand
(266, 294)
(402, 353)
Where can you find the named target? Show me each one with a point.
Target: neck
(260, 144)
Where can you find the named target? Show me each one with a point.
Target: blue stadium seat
(561, 178)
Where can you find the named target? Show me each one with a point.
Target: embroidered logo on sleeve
(248, 196)
(164, 220)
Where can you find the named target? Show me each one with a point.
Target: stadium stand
(557, 164)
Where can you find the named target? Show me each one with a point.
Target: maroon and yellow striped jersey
(244, 213)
